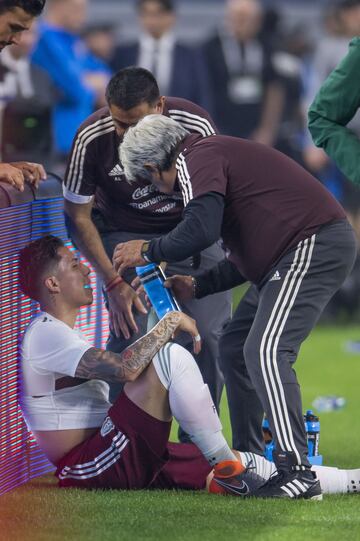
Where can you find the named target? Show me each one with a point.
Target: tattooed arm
(128, 365)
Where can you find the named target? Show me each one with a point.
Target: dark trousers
(261, 343)
(211, 313)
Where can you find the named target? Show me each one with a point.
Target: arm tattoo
(127, 365)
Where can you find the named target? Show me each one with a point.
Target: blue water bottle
(152, 278)
(268, 439)
(312, 428)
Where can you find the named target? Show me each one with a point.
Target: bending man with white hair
(285, 234)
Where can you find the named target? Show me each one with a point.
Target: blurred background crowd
(254, 65)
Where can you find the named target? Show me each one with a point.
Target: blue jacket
(66, 59)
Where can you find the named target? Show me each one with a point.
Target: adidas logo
(117, 171)
(295, 488)
(276, 276)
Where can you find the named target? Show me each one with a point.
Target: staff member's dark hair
(32, 7)
(131, 86)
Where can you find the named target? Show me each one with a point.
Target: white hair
(153, 141)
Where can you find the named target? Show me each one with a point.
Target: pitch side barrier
(25, 217)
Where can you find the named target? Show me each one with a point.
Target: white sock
(332, 480)
(353, 480)
(191, 403)
(261, 465)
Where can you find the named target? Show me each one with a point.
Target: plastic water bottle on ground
(329, 403)
(312, 429)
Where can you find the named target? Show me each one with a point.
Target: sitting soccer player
(65, 401)
(96, 445)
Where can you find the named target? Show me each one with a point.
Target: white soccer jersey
(51, 350)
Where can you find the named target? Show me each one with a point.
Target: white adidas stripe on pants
(270, 341)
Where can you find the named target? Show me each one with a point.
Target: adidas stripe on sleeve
(192, 122)
(79, 178)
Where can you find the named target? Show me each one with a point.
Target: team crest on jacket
(107, 427)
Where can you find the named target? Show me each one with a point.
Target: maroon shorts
(131, 451)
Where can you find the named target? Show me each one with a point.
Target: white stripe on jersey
(191, 127)
(184, 179)
(75, 197)
(101, 127)
(193, 122)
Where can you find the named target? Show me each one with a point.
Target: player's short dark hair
(32, 7)
(37, 258)
(131, 86)
(165, 5)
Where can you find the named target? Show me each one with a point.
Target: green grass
(40, 512)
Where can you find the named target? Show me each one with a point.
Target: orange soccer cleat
(232, 478)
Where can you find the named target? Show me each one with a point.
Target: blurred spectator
(292, 62)
(248, 93)
(343, 23)
(100, 40)
(16, 17)
(179, 69)
(270, 28)
(77, 74)
(27, 95)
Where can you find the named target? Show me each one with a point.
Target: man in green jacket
(334, 106)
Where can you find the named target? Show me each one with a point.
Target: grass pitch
(40, 512)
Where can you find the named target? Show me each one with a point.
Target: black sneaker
(292, 485)
(232, 478)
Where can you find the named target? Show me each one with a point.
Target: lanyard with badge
(244, 64)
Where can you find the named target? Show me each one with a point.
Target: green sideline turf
(41, 512)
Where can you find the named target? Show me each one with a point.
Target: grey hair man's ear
(151, 168)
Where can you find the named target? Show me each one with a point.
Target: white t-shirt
(51, 350)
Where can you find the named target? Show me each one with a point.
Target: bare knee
(149, 394)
